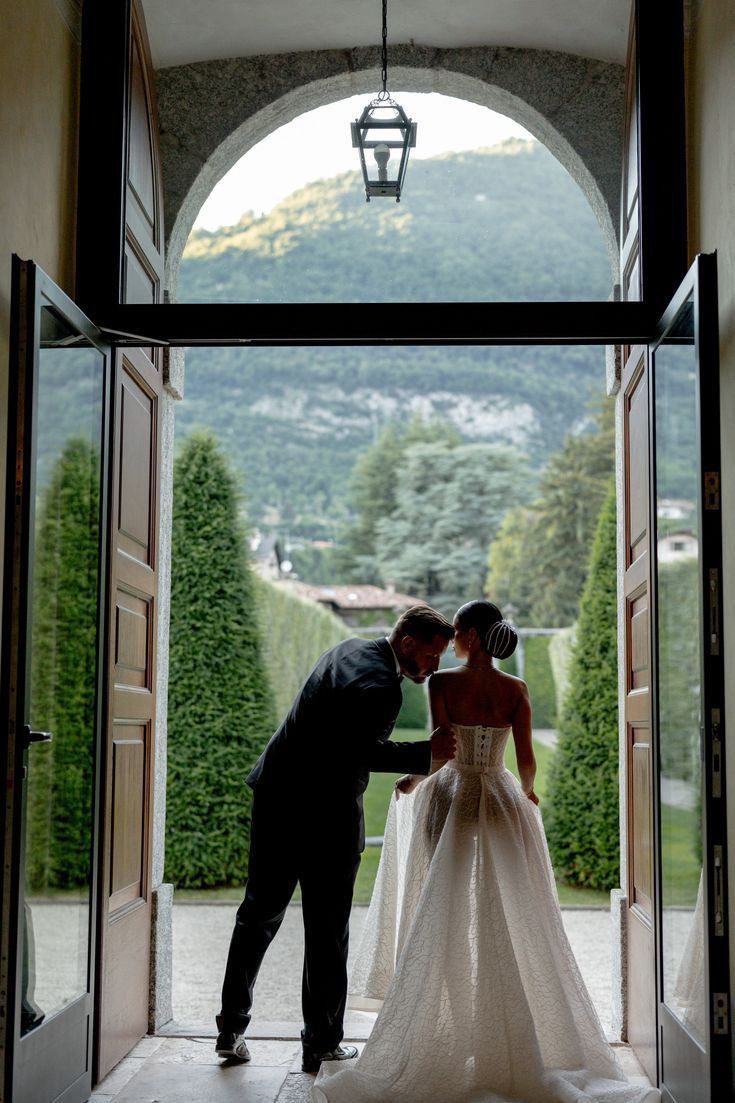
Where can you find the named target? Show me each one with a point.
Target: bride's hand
(406, 784)
(443, 743)
(532, 797)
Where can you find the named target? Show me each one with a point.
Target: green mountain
(498, 224)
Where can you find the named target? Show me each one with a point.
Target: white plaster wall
(711, 182)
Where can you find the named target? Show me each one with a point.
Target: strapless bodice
(480, 748)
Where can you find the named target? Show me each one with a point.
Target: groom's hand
(443, 743)
(407, 784)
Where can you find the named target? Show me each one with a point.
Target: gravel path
(202, 934)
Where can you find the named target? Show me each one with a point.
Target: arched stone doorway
(212, 113)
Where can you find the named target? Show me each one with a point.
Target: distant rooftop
(354, 597)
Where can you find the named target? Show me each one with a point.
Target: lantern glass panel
(384, 134)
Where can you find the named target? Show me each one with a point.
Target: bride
(463, 946)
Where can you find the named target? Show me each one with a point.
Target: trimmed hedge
(539, 678)
(220, 706)
(581, 809)
(295, 632)
(415, 708)
(64, 666)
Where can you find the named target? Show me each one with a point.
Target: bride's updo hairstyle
(498, 637)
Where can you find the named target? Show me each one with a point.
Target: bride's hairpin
(501, 639)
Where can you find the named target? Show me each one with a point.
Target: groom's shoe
(231, 1046)
(312, 1061)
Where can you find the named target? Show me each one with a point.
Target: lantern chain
(384, 56)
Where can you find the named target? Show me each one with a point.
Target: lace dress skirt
(464, 952)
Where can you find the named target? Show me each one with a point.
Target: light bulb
(382, 156)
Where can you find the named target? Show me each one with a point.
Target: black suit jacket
(337, 730)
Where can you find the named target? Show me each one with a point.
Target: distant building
(675, 509)
(677, 545)
(358, 606)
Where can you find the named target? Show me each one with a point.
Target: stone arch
(211, 113)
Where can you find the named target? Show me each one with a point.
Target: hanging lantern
(384, 131)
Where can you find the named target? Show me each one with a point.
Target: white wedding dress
(464, 948)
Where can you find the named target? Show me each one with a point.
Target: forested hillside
(500, 224)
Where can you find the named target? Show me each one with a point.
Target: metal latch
(716, 754)
(712, 490)
(719, 900)
(714, 611)
(719, 1013)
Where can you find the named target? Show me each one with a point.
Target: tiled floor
(187, 1070)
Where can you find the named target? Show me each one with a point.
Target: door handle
(30, 736)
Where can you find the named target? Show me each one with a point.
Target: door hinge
(719, 900)
(720, 1024)
(714, 611)
(712, 490)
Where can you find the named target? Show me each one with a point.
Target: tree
(582, 801)
(64, 671)
(220, 710)
(512, 563)
(543, 552)
(449, 505)
(373, 486)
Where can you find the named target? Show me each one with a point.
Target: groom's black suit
(308, 828)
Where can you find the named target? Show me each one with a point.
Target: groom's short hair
(423, 623)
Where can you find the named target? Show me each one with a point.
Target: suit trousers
(287, 849)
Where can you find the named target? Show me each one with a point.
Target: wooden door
(639, 768)
(125, 914)
(126, 865)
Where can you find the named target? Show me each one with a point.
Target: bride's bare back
(483, 695)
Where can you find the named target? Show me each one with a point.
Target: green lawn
(376, 801)
(681, 857)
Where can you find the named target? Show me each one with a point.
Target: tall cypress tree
(220, 706)
(63, 671)
(581, 808)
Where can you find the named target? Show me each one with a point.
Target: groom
(307, 823)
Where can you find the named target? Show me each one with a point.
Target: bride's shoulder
(447, 672)
(513, 683)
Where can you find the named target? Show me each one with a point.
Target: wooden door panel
(127, 858)
(637, 464)
(141, 281)
(137, 482)
(638, 642)
(133, 640)
(642, 994)
(641, 963)
(141, 177)
(640, 821)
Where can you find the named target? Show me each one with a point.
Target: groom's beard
(411, 670)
